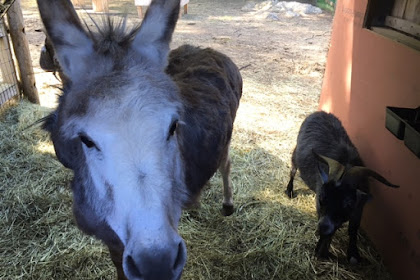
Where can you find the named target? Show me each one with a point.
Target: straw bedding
(268, 237)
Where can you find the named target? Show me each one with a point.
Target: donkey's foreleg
(116, 256)
(224, 168)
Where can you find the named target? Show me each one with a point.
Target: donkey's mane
(111, 37)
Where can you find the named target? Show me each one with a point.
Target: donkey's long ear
(156, 30)
(366, 172)
(73, 46)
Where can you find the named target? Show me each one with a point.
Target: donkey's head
(116, 128)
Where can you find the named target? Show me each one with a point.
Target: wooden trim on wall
(403, 25)
(398, 37)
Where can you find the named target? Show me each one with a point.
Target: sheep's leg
(353, 255)
(224, 168)
(289, 190)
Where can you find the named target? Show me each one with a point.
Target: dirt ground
(269, 236)
(282, 61)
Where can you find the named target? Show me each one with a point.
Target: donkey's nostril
(181, 256)
(155, 262)
(132, 268)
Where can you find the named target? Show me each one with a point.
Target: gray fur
(141, 142)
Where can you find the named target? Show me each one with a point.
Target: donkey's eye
(173, 128)
(87, 141)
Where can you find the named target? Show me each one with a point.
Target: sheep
(331, 166)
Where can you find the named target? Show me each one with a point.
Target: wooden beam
(21, 49)
(398, 37)
(403, 25)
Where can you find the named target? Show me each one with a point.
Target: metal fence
(8, 81)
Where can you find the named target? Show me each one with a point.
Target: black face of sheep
(331, 166)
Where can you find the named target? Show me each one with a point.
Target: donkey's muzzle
(160, 262)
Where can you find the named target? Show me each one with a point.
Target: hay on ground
(268, 236)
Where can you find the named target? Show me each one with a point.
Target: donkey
(143, 131)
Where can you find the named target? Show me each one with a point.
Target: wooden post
(100, 6)
(77, 3)
(140, 12)
(141, 4)
(21, 49)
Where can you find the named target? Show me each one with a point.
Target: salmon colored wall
(366, 72)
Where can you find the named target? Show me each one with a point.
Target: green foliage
(327, 5)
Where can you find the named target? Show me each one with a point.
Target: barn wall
(366, 72)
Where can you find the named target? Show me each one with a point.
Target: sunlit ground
(268, 237)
